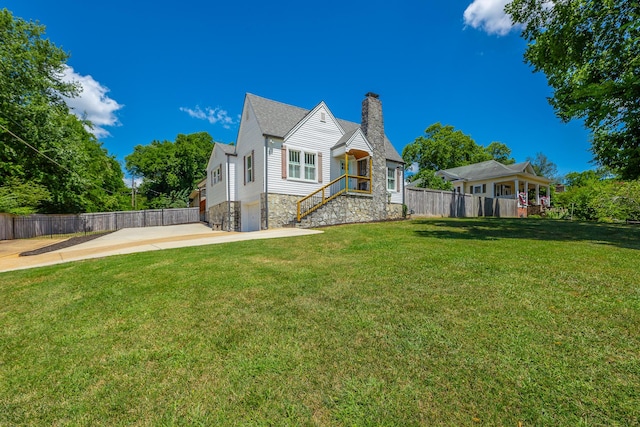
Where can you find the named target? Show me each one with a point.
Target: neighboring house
(493, 179)
(198, 198)
(199, 195)
(292, 166)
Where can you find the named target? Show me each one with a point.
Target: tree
(171, 169)
(42, 145)
(543, 166)
(583, 179)
(443, 147)
(500, 153)
(21, 199)
(590, 52)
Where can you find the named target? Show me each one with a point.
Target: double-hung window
(302, 165)
(249, 168)
(294, 164)
(391, 179)
(479, 189)
(216, 175)
(310, 166)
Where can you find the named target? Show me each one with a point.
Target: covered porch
(528, 192)
(357, 168)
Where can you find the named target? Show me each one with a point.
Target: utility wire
(55, 162)
(35, 149)
(63, 167)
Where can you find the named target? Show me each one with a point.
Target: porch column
(492, 191)
(346, 171)
(549, 194)
(517, 188)
(538, 194)
(370, 170)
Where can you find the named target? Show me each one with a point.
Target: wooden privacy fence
(25, 227)
(427, 202)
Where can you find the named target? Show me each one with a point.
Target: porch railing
(320, 197)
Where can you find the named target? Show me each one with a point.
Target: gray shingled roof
(226, 148)
(347, 135)
(483, 170)
(277, 119)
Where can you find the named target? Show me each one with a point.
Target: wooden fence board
(25, 227)
(6, 226)
(428, 202)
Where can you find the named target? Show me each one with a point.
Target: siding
(250, 138)
(358, 143)
(396, 196)
(216, 194)
(313, 135)
(233, 179)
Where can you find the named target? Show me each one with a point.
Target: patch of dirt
(66, 244)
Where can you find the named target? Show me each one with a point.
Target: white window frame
(216, 175)
(293, 165)
(249, 167)
(391, 180)
(479, 189)
(301, 166)
(310, 167)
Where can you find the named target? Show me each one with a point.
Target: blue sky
(152, 70)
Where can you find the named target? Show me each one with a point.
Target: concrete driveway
(130, 240)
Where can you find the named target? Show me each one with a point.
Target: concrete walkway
(130, 240)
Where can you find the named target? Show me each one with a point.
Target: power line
(36, 150)
(56, 163)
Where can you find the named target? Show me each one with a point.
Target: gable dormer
(352, 141)
(320, 118)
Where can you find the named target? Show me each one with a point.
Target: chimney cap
(372, 95)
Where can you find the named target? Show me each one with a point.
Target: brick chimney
(373, 128)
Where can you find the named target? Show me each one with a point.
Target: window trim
(249, 170)
(216, 175)
(303, 165)
(481, 187)
(392, 179)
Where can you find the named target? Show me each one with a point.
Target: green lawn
(424, 322)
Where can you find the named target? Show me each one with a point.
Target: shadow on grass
(624, 236)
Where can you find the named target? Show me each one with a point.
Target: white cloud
(489, 16)
(92, 103)
(212, 115)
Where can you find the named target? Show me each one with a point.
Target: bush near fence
(427, 202)
(25, 227)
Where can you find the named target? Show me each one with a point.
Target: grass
(424, 322)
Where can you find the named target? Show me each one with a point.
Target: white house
(493, 179)
(298, 167)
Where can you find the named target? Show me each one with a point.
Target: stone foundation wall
(225, 216)
(282, 210)
(341, 210)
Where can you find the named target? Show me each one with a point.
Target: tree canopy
(444, 147)
(590, 52)
(543, 166)
(170, 170)
(43, 146)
